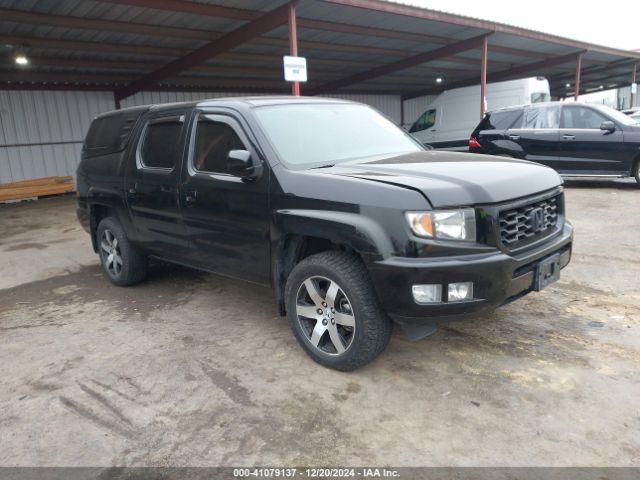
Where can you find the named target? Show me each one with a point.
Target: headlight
(444, 224)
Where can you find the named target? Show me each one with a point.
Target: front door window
(426, 120)
(213, 142)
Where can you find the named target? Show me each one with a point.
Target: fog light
(460, 292)
(427, 293)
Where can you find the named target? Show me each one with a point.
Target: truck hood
(455, 179)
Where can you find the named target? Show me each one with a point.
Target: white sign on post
(295, 69)
(634, 88)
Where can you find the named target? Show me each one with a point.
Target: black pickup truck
(352, 222)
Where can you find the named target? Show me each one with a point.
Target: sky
(617, 24)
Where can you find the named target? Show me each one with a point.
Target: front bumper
(498, 279)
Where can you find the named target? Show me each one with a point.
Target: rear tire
(334, 313)
(123, 263)
(636, 172)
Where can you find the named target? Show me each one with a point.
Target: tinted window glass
(213, 142)
(542, 117)
(615, 115)
(540, 97)
(426, 120)
(500, 120)
(329, 133)
(160, 147)
(581, 118)
(111, 132)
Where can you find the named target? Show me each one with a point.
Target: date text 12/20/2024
(315, 473)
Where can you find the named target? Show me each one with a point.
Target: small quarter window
(540, 97)
(213, 142)
(110, 133)
(500, 120)
(160, 147)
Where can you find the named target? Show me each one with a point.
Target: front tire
(334, 313)
(123, 263)
(636, 172)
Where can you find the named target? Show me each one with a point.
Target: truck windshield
(312, 135)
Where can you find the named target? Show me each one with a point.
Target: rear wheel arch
(635, 169)
(98, 212)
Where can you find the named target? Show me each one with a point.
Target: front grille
(527, 223)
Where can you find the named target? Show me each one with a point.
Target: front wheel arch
(291, 250)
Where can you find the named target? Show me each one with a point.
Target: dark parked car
(351, 221)
(572, 138)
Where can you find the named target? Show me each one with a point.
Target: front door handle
(514, 137)
(569, 137)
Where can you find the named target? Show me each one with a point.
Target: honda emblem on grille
(537, 219)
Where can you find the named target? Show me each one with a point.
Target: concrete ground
(195, 369)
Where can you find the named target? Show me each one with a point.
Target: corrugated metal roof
(338, 46)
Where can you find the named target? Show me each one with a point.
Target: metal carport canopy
(351, 46)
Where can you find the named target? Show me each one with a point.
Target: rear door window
(161, 143)
(542, 117)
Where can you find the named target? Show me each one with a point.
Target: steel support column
(483, 76)
(576, 93)
(293, 43)
(633, 80)
(116, 100)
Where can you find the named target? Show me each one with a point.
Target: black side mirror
(241, 164)
(608, 126)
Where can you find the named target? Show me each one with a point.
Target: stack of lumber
(38, 187)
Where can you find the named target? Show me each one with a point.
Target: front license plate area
(547, 272)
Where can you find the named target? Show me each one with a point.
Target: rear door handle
(514, 137)
(132, 191)
(569, 137)
(190, 197)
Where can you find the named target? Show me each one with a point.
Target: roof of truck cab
(247, 102)
(256, 101)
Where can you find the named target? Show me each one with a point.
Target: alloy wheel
(112, 258)
(325, 315)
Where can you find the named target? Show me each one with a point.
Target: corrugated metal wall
(624, 98)
(387, 104)
(41, 132)
(147, 98)
(415, 107)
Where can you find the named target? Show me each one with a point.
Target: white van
(452, 116)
